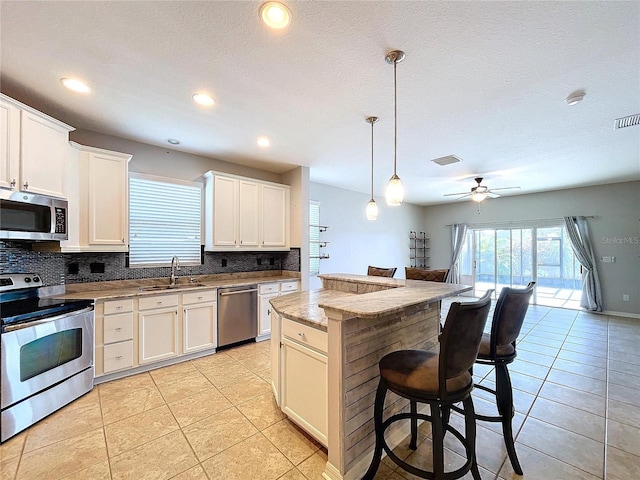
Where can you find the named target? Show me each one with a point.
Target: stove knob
(36, 279)
(27, 280)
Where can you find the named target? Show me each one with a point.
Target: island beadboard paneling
(61, 268)
(365, 342)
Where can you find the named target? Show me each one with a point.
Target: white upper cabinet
(98, 200)
(34, 150)
(9, 144)
(225, 216)
(275, 221)
(245, 214)
(249, 213)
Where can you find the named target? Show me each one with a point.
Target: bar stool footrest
(454, 474)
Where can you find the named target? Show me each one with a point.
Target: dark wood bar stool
(381, 272)
(498, 349)
(439, 379)
(414, 273)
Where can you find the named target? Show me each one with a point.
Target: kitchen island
(326, 346)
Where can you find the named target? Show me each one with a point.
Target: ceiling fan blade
(504, 188)
(492, 195)
(452, 194)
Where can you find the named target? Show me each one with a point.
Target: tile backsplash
(61, 268)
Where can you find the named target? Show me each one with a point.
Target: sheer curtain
(581, 244)
(458, 234)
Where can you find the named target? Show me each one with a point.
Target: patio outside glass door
(512, 257)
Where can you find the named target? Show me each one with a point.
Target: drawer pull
(200, 297)
(118, 307)
(118, 357)
(302, 335)
(118, 329)
(159, 302)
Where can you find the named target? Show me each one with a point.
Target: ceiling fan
(480, 192)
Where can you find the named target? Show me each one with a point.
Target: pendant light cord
(395, 115)
(372, 160)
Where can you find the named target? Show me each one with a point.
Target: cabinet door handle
(26, 185)
(268, 311)
(123, 240)
(13, 183)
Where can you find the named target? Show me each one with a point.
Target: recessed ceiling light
(263, 142)
(203, 99)
(575, 97)
(275, 15)
(75, 85)
(173, 141)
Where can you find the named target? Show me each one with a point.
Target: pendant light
(395, 191)
(372, 206)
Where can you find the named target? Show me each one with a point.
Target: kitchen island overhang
(364, 319)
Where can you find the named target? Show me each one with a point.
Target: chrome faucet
(175, 266)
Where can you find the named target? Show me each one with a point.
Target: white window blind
(314, 237)
(164, 220)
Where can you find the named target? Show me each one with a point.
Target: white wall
(298, 180)
(616, 206)
(165, 162)
(355, 242)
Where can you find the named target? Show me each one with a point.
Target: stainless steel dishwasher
(237, 314)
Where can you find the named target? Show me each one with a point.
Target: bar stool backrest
(460, 339)
(508, 316)
(381, 272)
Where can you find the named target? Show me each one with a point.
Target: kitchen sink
(171, 287)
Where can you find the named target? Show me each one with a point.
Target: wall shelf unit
(419, 255)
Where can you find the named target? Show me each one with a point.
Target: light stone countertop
(303, 306)
(401, 295)
(361, 296)
(132, 288)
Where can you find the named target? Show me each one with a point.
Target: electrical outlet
(625, 298)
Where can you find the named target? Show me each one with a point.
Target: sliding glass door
(493, 258)
(503, 258)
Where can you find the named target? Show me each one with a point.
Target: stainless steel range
(46, 354)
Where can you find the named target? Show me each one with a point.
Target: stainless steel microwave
(26, 216)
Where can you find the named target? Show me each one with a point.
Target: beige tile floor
(577, 397)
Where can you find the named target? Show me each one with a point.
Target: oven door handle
(13, 328)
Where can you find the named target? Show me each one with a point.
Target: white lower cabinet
(304, 378)
(117, 332)
(136, 332)
(199, 321)
(157, 328)
(276, 328)
(118, 356)
(266, 292)
(158, 331)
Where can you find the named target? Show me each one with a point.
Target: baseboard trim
(619, 314)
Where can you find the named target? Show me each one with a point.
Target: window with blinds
(314, 237)
(164, 220)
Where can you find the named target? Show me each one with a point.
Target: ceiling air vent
(628, 121)
(447, 160)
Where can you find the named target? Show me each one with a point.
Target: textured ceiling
(485, 81)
